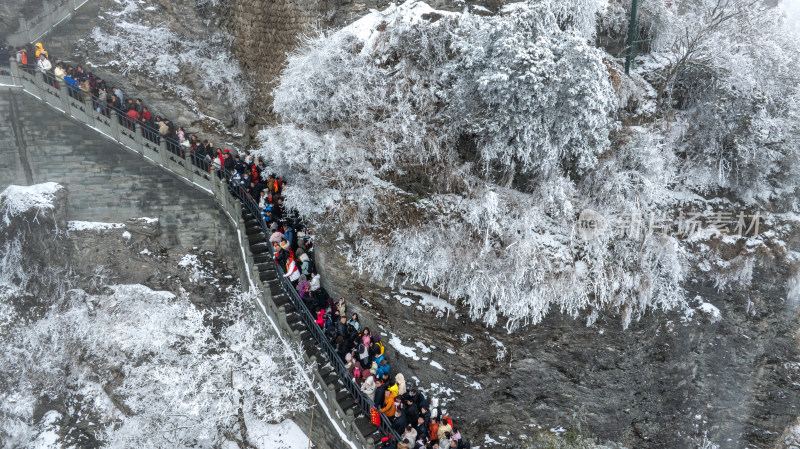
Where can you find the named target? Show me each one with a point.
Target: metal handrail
(308, 319)
(342, 372)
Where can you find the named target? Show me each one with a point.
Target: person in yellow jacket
(40, 50)
(388, 404)
(394, 388)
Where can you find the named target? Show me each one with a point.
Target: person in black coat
(418, 397)
(341, 327)
(4, 56)
(400, 422)
(411, 412)
(421, 428)
(229, 164)
(380, 392)
(425, 414)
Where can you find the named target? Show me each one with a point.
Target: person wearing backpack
(353, 321)
(362, 352)
(305, 264)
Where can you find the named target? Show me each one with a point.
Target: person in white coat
(43, 64)
(368, 388)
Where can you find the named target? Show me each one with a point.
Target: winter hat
(376, 338)
(348, 357)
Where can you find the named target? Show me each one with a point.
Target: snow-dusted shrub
(533, 95)
(578, 15)
(449, 150)
(140, 44)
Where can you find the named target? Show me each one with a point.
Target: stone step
(271, 280)
(260, 248)
(365, 427)
(283, 300)
(347, 403)
(253, 230)
(258, 237)
(262, 258)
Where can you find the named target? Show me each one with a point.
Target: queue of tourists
(419, 421)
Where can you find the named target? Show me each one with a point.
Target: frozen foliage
(138, 48)
(518, 66)
(725, 66)
(149, 369)
(456, 152)
(438, 120)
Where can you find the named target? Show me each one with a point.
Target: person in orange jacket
(388, 404)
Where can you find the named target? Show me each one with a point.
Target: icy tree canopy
(458, 151)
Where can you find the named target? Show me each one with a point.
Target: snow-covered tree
(449, 152)
(726, 67)
(149, 367)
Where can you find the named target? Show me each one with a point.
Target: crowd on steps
(420, 422)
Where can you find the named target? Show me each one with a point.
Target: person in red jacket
(133, 117)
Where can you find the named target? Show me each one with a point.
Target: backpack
(311, 267)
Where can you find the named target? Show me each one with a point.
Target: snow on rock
(48, 439)
(430, 303)
(284, 435)
(436, 364)
(126, 235)
(501, 348)
(147, 220)
(405, 351)
(92, 225)
(16, 200)
(711, 311)
(410, 13)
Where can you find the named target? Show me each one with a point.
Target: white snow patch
(709, 309)
(15, 200)
(126, 235)
(284, 435)
(501, 348)
(405, 351)
(146, 219)
(92, 225)
(146, 252)
(48, 439)
(430, 302)
(436, 364)
(410, 13)
(404, 300)
(476, 385)
(189, 260)
(422, 347)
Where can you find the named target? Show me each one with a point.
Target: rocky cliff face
(726, 368)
